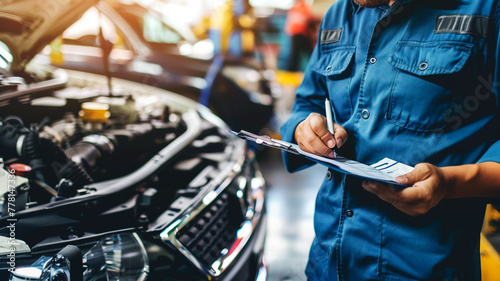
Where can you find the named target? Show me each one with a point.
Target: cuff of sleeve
(492, 154)
(293, 163)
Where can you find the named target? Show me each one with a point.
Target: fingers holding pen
(340, 135)
(313, 136)
(319, 128)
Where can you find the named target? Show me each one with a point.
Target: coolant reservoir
(94, 112)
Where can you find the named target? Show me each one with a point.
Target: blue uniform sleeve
(492, 154)
(309, 98)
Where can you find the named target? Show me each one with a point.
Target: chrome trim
(6, 244)
(244, 233)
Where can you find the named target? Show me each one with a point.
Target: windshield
(148, 25)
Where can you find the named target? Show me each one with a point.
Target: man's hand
(312, 135)
(428, 186)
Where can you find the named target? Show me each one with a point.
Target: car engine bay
(89, 165)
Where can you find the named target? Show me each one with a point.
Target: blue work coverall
(416, 82)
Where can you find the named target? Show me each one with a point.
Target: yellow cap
(94, 112)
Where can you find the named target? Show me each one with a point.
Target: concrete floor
(290, 208)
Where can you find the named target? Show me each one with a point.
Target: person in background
(416, 81)
(222, 25)
(299, 26)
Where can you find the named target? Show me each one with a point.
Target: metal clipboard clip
(265, 140)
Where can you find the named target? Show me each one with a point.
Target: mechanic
(299, 26)
(417, 82)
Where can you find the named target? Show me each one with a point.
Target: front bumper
(223, 236)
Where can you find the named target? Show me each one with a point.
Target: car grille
(212, 231)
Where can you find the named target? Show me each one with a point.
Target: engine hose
(11, 141)
(18, 141)
(76, 174)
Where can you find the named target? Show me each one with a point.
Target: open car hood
(26, 26)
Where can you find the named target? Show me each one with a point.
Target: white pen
(329, 121)
(329, 117)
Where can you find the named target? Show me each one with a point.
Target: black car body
(143, 184)
(145, 49)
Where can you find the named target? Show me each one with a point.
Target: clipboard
(385, 170)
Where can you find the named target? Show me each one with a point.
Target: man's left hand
(427, 187)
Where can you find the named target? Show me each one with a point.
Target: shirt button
(328, 68)
(329, 175)
(365, 114)
(373, 60)
(423, 66)
(349, 213)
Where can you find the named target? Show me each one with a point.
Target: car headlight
(115, 257)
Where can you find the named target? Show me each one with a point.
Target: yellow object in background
(289, 78)
(490, 259)
(247, 23)
(223, 20)
(247, 41)
(56, 55)
(491, 215)
(94, 112)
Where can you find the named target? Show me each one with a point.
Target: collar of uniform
(356, 8)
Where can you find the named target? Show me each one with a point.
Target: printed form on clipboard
(385, 170)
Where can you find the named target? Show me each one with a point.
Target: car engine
(127, 182)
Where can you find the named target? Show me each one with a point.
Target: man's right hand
(312, 135)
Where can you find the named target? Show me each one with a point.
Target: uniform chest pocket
(423, 92)
(334, 68)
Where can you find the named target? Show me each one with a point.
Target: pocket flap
(335, 62)
(429, 58)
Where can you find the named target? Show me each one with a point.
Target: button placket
(349, 213)
(365, 114)
(329, 175)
